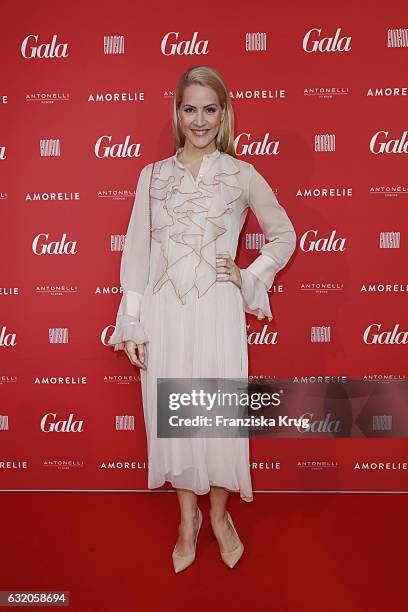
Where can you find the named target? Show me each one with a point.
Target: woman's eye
(211, 109)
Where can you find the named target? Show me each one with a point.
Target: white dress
(194, 326)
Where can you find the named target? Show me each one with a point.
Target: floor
(303, 552)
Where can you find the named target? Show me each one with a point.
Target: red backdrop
(320, 99)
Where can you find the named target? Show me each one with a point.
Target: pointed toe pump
(181, 562)
(232, 557)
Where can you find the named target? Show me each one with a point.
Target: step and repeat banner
(320, 100)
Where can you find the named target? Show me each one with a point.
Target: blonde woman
(182, 312)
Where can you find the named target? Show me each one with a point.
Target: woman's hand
(227, 269)
(130, 349)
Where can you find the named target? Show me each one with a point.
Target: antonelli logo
(313, 42)
(374, 335)
(380, 143)
(50, 423)
(41, 246)
(30, 49)
(103, 148)
(308, 242)
(170, 45)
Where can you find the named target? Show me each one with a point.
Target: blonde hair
(208, 77)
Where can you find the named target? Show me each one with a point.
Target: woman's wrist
(240, 279)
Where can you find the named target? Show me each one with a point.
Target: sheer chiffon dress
(193, 325)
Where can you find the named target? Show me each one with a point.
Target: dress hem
(244, 498)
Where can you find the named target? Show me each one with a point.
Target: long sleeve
(134, 268)
(280, 243)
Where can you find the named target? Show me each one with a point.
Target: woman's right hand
(138, 360)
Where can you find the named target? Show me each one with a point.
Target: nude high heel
(180, 562)
(231, 558)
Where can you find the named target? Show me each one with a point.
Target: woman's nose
(200, 121)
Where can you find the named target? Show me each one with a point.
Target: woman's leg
(221, 527)
(188, 521)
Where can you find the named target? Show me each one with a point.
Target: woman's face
(200, 115)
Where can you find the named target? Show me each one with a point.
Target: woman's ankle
(189, 517)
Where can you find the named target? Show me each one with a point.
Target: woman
(182, 312)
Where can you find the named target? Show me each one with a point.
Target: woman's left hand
(227, 269)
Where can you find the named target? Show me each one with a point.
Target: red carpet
(112, 552)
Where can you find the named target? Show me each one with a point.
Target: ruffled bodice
(192, 220)
(188, 217)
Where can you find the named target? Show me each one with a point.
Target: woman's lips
(199, 132)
